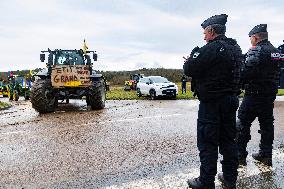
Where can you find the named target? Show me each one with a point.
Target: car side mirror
(42, 57)
(95, 56)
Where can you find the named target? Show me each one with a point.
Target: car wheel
(138, 92)
(153, 94)
(174, 97)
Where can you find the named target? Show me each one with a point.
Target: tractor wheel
(153, 94)
(88, 100)
(16, 95)
(138, 92)
(10, 96)
(42, 96)
(27, 95)
(98, 97)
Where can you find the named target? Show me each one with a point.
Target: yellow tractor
(3, 89)
(132, 83)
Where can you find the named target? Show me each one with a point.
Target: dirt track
(130, 144)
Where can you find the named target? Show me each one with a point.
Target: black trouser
(183, 88)
(216, 127)
(252, 107)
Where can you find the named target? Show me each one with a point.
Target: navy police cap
(258, 29)
(217, 19)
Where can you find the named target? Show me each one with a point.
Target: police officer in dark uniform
(281, 83)
(215, 71)
(281, 48)
(260, 77)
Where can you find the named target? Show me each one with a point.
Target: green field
(117, 93)
(4, 105)
(280, 92)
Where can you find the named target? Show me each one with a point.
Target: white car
(155, 86)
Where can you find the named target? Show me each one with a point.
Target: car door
(149, 85)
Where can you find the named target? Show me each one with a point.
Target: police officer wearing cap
(260, 78)
(281, 83)
(215, 71)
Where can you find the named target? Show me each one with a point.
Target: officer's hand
(185, 58)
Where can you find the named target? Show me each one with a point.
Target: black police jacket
(261, 72)
(215, 68)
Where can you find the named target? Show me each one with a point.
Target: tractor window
(61, 60)
(69, 58)
(136, 77)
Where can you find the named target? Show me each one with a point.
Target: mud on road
(129, 144)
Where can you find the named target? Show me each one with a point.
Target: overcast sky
(127, 34)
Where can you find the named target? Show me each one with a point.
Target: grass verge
(117, 93)
(4, 105)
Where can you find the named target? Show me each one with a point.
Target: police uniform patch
(196, 54)
(277, 56)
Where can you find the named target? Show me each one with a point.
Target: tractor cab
(69, 75)
(69, 68)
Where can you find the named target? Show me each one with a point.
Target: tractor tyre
(10, 96)
(27, 95)
(16, 95)
(42, 97)
(98, 97)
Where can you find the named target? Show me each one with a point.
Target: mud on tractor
(69, 75)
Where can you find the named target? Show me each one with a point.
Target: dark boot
(242, 160)
(197, 184)
(266, 159)
(242, 157)
(226, 184)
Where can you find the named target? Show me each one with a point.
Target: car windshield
(69, 58)
(159, 80)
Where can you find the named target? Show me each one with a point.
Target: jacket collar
(219, 37)
(262, 42)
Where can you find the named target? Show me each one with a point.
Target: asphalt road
(129, 144)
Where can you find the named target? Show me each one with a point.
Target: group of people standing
(219, 71)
